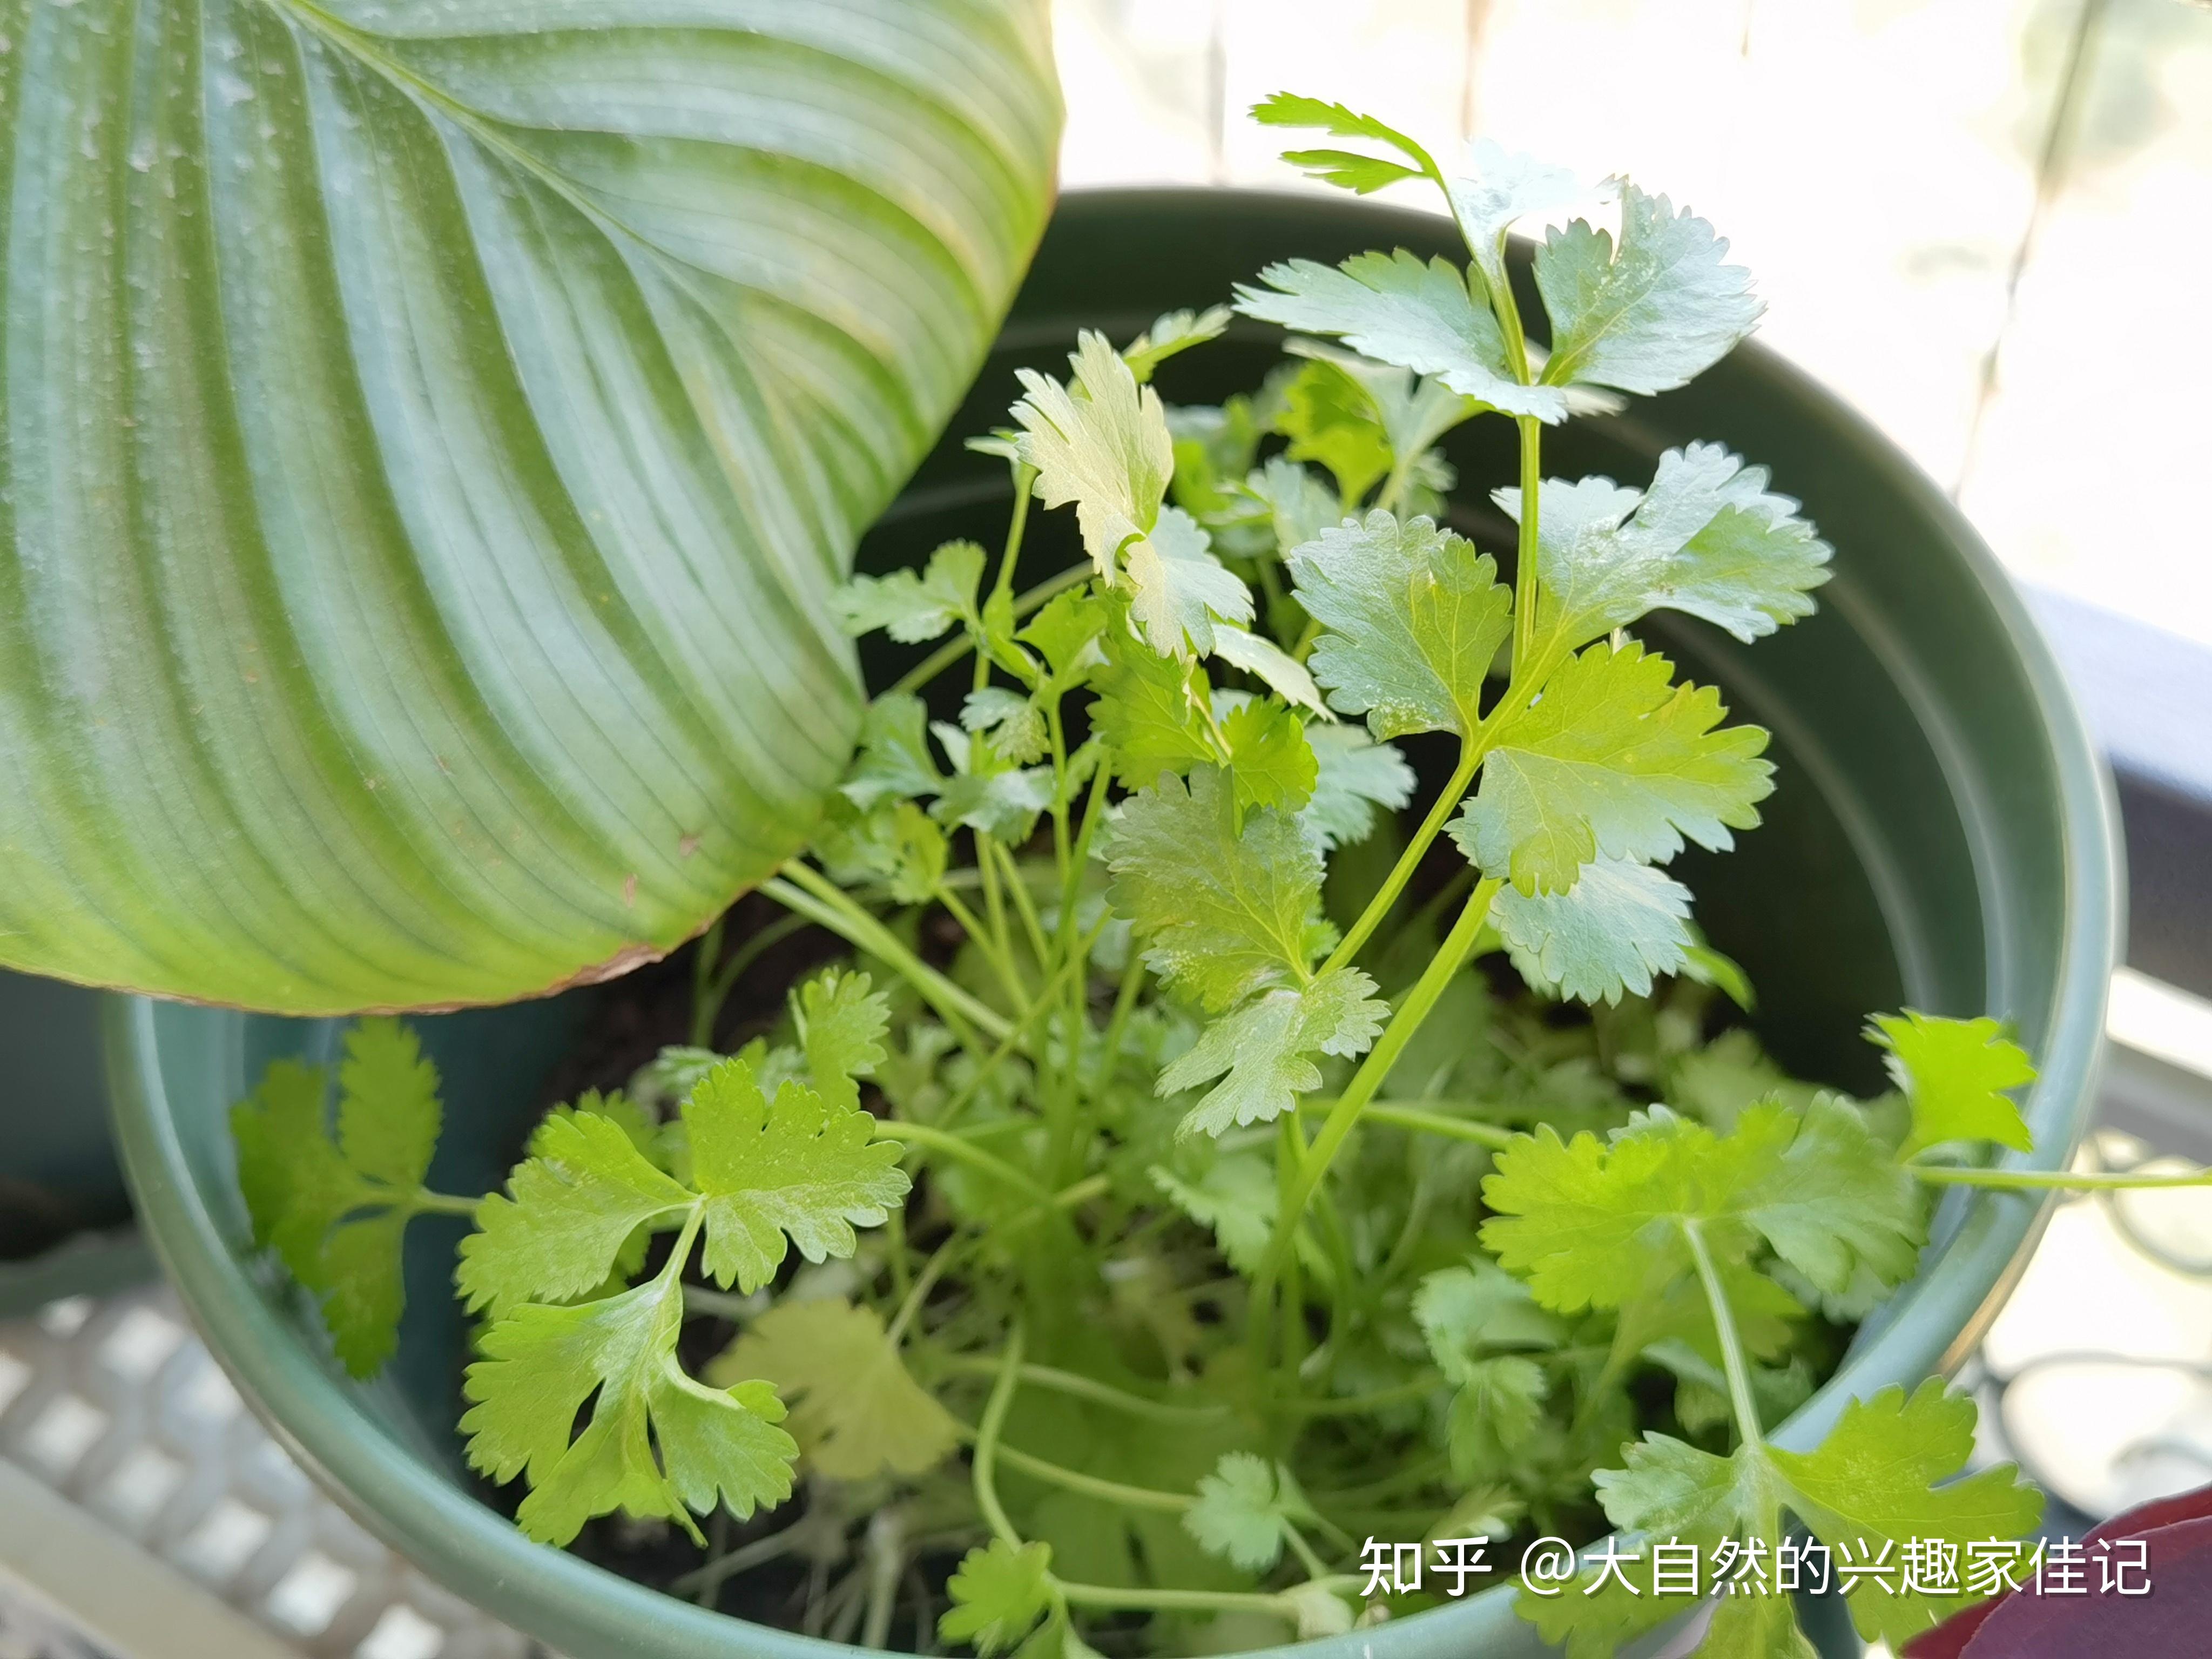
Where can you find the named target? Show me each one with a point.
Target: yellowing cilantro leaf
(1616, 759)
(1222, 911)
(1101, 444)
(998, 1594)
(1593, 1223)
(1285, 674)
(1393, 308)
(894, 763)
(1414, 617)
(1268, 755)
(658, 1443)
(855, 1409)
(336, 1211)
(912, 606)
(1616, 926)
(1176, 331)
(1245, 1510)
(1649, 317)
(1354, 776)
(1265, 1048)
(1708, 539)
(1886, 1474)
(797, 1167)
(1180, 589)
(1150, 714)
(840, 1022)
(568, 1208)
(1954, 1073)
(1346, 169)
(1014, 724)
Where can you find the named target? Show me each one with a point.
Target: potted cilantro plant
(1236, 1094)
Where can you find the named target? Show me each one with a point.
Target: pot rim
(1928, 1327)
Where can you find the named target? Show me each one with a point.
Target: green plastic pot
(1942, 836)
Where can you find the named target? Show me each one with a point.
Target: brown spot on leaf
(688, 845)
(630, 891)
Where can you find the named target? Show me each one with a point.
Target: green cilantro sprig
(1197, 1175)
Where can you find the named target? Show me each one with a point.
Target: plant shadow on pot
(1941, 837)
(64, 1211)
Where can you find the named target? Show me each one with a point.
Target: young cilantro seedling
(1231, 1212)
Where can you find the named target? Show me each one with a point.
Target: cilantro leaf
(998, 1594)
(1503, 187)
(984, 793)
(1175, 331)
(1013, 723)
(1353, 776)
(913, 606)
(1264, 1047)
(1886, 1474)
(1467, 1313)
(1102, 445)
(1592, 1224)
(1618, 926)
(1498, 1404)
(894, 763)
(895, 842)
(1329, 418)
(1235, 1198)
(1613, 759)
(1707, 540)
(1180, 588)
(1299, 506)
(569, 1207)
(1653, 315)
(798, 1168)
(1066, 631)
(1413, 411)
(1269, 757)
(336, 1210)
(1284, 674)
(1954, 1072)
(1224, 910)
(1346, 169)
(541, 1364)
(841, 1022)
(1246, 1510)
(1393, 308)
(1150, 714)
(855, 1409)
(1415, 616)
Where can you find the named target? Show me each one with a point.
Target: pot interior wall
(58, 1175)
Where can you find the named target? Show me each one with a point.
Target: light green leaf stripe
(433, 433)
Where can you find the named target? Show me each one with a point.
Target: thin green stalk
(1449, 958)
(984, 1462)
(1024, 907)
(711, 991)
(1079, 1387)
(1091, 1485)
(1386, 896)
(962, 643)
(2118, 1180)
(1001, 965)
(935, 1140)
(1426, 1122)
(801, 889)
(910, 1304)
(707, 1304)
(1524, 559)
(1356, 1404)
(1117, 1023)
(703, 976)
(1732, 1358)
(1015, 1036)
(1025, 486)
(426, 1202)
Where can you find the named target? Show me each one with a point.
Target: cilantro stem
(984, 1462)
(1024, 487)
(1079, 1387)
(932, 1139)
(1732, 1357)
(1030, 1015)
(1117, 1023)
(714, 985)
(1524, 559)
(700, 1300)
(426, 1202)
(1092, 1486)
(918, 1292)
(1354, 1405)
(962, 643)
(2063, 1180)
(1009, 982)
(1449, 958)
(1024, 907)
(1386, 896)
(801, 888)
(1427, 1122)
